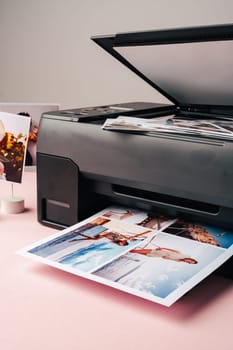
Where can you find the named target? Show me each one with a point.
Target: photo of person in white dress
(166, 253)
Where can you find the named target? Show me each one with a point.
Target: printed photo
(34, 111)
(215, 128)
(115, 247)
(159, 267)
(14, 130)
(151, 220)
(93, 244)
(155, 221)
(218, 237)
(199, 124)
(119, 213)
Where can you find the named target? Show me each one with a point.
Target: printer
(82, 168)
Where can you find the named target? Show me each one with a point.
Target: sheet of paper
(218, 128)
(146, 254)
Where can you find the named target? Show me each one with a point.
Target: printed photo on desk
(14, 131)
(92, 244)
(131, 250)
(34, 111)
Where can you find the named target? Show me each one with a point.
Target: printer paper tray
(149, 255)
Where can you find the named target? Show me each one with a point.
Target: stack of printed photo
(220, 128)
(146, 254)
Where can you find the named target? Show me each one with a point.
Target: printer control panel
(86, 114)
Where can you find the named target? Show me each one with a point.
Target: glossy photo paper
(137, 252)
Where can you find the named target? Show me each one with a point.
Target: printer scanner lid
(189, 66)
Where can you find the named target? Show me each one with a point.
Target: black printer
(82, 168)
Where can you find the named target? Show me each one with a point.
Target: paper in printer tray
(218, 128)
(146, 254)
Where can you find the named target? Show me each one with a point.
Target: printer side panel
(63, 194)
(57, 188)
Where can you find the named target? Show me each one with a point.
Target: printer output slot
(162, 199)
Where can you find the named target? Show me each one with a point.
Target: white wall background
(46, 54)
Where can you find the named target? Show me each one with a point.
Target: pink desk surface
(44, 308)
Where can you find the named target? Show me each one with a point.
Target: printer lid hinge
(221, 112)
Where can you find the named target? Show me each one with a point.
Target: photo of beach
(161, 267)
(93, 244)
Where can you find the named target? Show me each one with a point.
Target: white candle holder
(12, 204)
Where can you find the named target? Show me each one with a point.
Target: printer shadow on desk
(194, 302)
